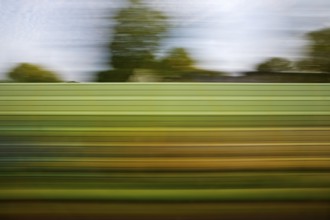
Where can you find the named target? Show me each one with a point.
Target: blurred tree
(319, 50)
(178, 60)
(116, 75)
(136, 37)
(26, 72)
(275, 64)
(307, 65)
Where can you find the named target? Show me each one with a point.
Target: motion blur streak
(165, 151)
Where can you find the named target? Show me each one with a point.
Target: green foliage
(26, 72)
(136, 36)
(178, 60)
(117, 75)
(135, 39)
(275, 64)
(319, 50)
(307, 65)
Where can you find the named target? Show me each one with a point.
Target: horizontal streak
(169, 194)
(161, 144)
(155, 129)
(161, 159)
(165, 98)
(164, 113)
(175, 210)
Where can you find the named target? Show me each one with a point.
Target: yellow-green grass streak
(169, 195)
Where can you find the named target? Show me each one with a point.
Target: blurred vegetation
(134, 55)
(140, 29)
(26, 72)
(318, 56)
(275, 64)
(307, 65)
(136, 38)
(116, 75)
(177, 60)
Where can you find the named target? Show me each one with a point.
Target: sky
(67, 36)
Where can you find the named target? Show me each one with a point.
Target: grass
(169, 195)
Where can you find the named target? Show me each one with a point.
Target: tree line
(135, 45)
(317, 58)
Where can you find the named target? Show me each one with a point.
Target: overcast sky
(65, 35)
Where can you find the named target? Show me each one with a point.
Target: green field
(109, 148)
